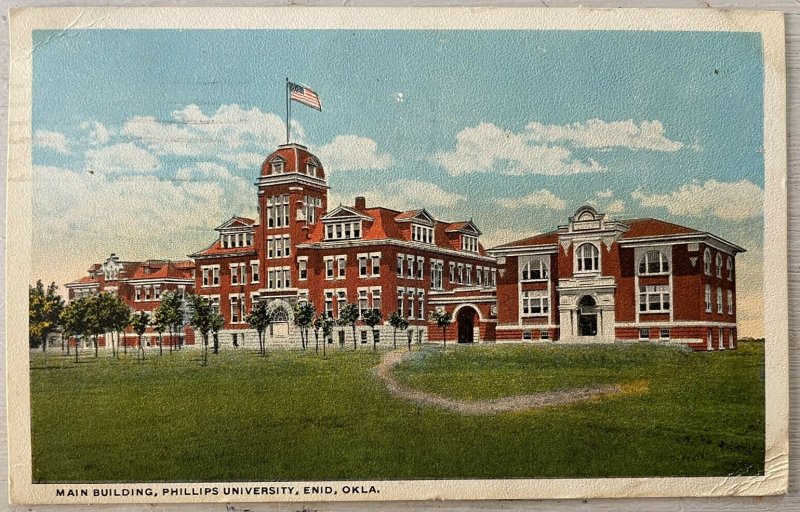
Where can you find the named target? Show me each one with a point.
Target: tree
(73, 320)
(397, 321)
(170, 312)
(327, 324)
(201, 315)
(95, 317)
(119, 318)
(44, 312)
(259, 319)
(303, 318)
(316, 324)
(139, 323)
(442, 319)
(160, 324)
(217, 322)
(348, 315)
(372, 318)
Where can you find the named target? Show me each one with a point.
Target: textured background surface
(791, 8)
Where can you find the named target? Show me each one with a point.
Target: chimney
(361, 203)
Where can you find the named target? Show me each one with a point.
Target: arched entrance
(279, 327)
(466, 319)
(587, 316)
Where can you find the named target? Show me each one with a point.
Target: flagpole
(287, 110)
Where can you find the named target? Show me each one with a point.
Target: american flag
(305, 96)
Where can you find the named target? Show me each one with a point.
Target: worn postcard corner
(395, 254)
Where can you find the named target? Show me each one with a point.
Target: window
(410, 260)
(146, 293)
(719, 265)
(376, 299)
(363, 301)
(654, 298)
(494, 277)
(341, 299)
(422, 234)
(588, 258)
(215, 276)
(278, 211)
(437, 271)
(363, 271)
(329, 267)
(329, 303)
(363, 336)
(653, 262)
(534, 270)
(544, 335)
(460, 273)
(156, 292)
(138, 294)
(376, 264)
(400, 295)
(535, 303)
(311, 169)
(469, 274)
(719, 301)
(707, 262)
(410, 304)
(644, 334)
(708, 298)
(302, 268)
(234, 273)
(469, 243)
(341, 266)
(479, 275)
(420, 267)
(730, 302)
(302, 296)
(401, 258)
(206, 276)
(277, 167)
(270, 279)
(452, 272)
(254, 271)
(527, 335)
(234, 309)
(242, 308)
(730, 268)
(310, 205)
(664, 334)
(343, 231)
(421, 304)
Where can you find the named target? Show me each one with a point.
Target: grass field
(297, 416)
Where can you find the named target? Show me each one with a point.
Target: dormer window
(422, 234)
(469, 243)
(311, 170)
(343, 230)
(277, 167)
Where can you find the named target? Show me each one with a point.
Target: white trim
(462, 306)
(336, 244)
(676, 323)
(457, 300)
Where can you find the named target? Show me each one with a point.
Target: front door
(587, 317)
(466, 322)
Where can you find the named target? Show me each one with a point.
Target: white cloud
(190, 132)
(538, 199)
(244, 160)
(504, 236)
(599, 134)
(96, 133)
(54, 141)
(613, 207)
(605, 193)
(120, 158)
(733, 200)
(404, 195)
(487, 148)
(351, 152)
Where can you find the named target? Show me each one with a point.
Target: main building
(593, 279)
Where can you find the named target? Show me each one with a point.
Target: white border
(770, 25)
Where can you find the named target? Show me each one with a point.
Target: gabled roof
(416, 215)
(653, 227)
(161, 270)
(236, 222)
(550, 238)
(467, 227)
(345, 212)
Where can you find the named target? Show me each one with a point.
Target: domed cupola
(292, 159)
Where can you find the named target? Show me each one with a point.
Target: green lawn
(297, 416)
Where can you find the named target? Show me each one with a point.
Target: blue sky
(515, 129)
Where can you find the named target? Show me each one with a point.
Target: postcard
(345, 254)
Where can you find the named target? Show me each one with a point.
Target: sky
(145, 140)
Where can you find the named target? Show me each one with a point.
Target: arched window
(719, 265)
(707, 262)
(588, 258)
(730, 268)
(653, 262)
(534, 270)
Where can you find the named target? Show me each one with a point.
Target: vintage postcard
(305, 255)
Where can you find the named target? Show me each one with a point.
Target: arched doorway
(587, 316)
(279, 327)
(466, 319)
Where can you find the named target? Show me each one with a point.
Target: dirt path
(492, 406)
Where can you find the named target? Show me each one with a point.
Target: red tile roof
(292, 154)
(550, 238)
(161, 270)
(216, 249)
(653, 227)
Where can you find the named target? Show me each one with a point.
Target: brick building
(592, 280)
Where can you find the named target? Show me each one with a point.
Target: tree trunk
(374, 341)
(324, 342)
(205, 349)
(409, 343)
(444, 337)
(216, 343)
(44, 343)
(160, 344)
(96, 351)
(76, 350)
(171, 340)
(394, 338)
(354, 337)
(124, 342)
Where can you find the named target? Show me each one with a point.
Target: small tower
(292, 197)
